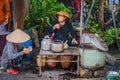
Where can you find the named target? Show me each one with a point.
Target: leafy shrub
(41, 13)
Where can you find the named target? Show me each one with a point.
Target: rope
(111, 3)
(116, 32)
(93, 2)
(81, 19)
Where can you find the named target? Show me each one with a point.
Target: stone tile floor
(53, 75)
(47, 75)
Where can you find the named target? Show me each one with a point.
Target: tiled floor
(47, 75)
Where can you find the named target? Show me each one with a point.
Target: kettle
(45, 43)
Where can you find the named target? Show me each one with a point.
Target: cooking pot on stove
(57, 46)
(92, 58)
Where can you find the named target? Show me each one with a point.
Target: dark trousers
(2, 43)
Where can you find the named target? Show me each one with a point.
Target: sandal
(12, 71)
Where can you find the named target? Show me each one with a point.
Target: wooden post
(101, 14)
(20, 10)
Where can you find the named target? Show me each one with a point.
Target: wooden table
(73, 51)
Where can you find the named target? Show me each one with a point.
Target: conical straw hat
(64, 13)
(17, 36)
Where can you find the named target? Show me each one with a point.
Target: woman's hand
(30, 48)
(6, 22)
(26, 51)
(74, 41)
(56, 26)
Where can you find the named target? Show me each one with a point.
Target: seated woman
(10, 51)
(63, 29)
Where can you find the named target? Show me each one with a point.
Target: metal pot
(93, 41)
(57, 46)
(92, 58)
(45, 43)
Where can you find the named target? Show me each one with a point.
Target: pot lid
(46, 38)
(99, 43)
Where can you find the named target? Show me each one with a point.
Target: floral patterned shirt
(9, 53)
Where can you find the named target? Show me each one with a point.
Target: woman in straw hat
(63, 27)
(10, 50)
(63, 30)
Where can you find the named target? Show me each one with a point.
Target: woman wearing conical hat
(10, 51)
(63, 27)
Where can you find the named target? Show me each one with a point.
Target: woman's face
(61, 18)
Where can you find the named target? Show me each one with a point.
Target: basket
(66, 61)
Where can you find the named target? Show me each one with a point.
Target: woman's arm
(52, 28)
(72, 32)
(14, 55)
(10, 52)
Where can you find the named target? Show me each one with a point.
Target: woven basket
(67, 61)
(52, 59)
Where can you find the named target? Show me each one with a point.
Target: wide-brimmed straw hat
(17, 36)
(64, 13)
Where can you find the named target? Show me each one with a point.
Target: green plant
(107, 35)
(41, 13)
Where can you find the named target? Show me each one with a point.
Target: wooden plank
(75, 51)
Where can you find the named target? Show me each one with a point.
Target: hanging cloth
(116, 2)
(113, 4)
(76, 9)
(76, 4)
